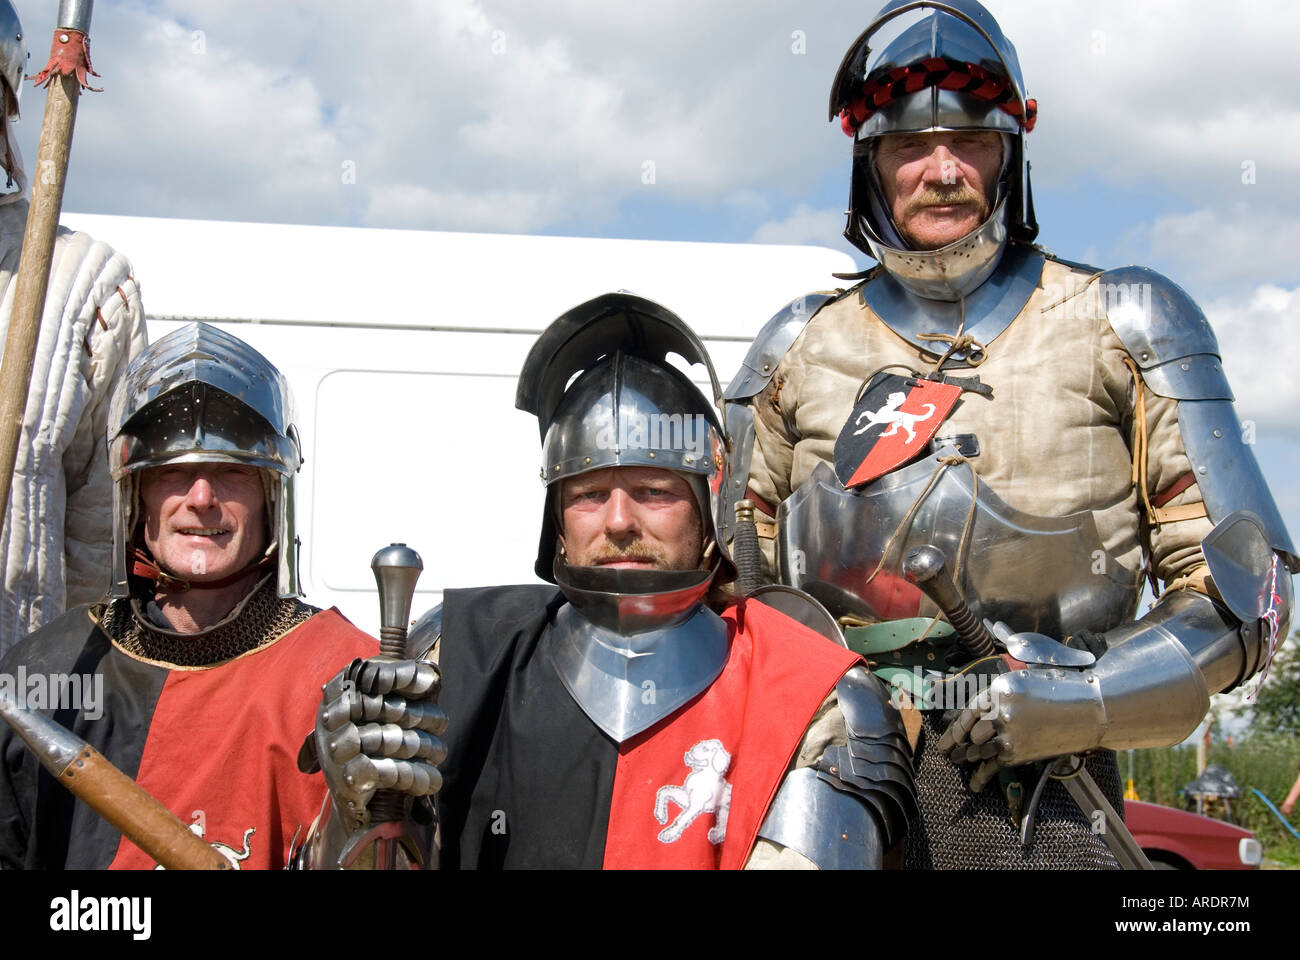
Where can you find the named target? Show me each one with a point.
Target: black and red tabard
(217, 745)
(891, 423)
(531, 782)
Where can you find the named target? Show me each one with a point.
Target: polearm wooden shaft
(108, 791)
(38, 248)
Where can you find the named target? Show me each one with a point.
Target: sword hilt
(745, 552)
(926, 567)
(397, 568)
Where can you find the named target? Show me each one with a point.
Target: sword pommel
(397, 568)
(926, 567)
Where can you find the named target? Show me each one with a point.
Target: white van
(403, 349)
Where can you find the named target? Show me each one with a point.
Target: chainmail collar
(258, 620)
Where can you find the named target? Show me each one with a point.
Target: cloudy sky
(1168, 133)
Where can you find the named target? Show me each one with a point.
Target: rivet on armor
(929, 656)
(767, 367)
(1186, 366)
(1217, 433)
(652, 454)
(1201, 470)
(63, 38)
(586, 459)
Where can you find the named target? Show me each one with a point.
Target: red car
(1178, 840)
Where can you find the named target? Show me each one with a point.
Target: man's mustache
(934, 197)
(635, 550)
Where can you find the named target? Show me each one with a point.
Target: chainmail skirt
(959, 830)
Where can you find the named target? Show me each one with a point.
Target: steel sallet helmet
(201, 395)
(947, 66)
(600, 383)
(13, 52)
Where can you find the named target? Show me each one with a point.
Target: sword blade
(1085, 792)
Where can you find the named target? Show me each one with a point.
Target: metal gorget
(636, 651)
(1045, 574)
(988, 308)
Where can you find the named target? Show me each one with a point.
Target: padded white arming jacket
(57, 537)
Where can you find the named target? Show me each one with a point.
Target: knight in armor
(200, 671)
(1055, 432)
(56, 534)
(628, 713)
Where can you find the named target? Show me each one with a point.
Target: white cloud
(804, 225)
(1260, 355)
(1213, 252)
(1172, 94)
(555, 107)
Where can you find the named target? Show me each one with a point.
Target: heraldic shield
(891, 424)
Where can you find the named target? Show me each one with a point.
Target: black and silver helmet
(935, 66)
(605, 394)
(201, 395)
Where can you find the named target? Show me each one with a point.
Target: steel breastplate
(1045, 574)
(989, 308)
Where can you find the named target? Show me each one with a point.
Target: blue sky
(1168, 134)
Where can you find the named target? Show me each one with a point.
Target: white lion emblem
(705, 791)
(890, 414)
(230, 853)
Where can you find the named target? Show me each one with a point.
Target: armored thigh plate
(1031, 572)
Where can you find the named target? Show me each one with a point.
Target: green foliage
(1262, 760)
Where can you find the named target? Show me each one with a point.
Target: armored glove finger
(972, 738)
(367, 708)
(364, 775)
(378, 740)
(376, 728)
(983, 774)
(411, 679)
(960, 735)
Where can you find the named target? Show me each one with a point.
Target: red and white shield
(891, 424)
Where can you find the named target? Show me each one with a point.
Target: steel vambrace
(1151, 688)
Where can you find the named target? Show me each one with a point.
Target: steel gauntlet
(1150, 688)
(376, 729)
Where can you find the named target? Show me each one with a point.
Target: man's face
(639, 518)
(203, 521)
(938, 186)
